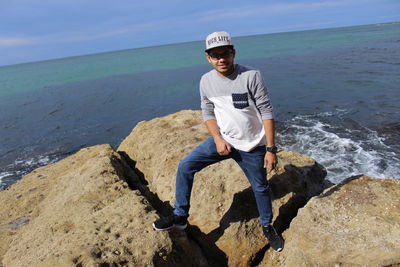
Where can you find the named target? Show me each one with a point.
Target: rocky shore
(95, 208)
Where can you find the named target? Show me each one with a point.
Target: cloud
(10, 42)
(139, 27)
(94, 33)
(72, 37)
(274, 9)
(277, 9)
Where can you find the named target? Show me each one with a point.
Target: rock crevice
(224, 217)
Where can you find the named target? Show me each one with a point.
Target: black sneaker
(275, 241)
(172, 221)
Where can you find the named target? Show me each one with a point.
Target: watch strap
(272, 149)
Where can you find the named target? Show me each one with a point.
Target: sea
(335, 92)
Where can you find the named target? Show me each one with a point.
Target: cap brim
(208, 50)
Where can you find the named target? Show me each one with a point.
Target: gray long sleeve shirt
(239, 103)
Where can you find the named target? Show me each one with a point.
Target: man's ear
(208, 57)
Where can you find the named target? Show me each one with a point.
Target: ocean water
(335, 93)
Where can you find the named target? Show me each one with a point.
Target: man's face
(221, 59)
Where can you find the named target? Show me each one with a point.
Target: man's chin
(225, 71)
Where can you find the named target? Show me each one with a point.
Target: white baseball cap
(217, 39)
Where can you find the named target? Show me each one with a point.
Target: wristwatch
(272, 149)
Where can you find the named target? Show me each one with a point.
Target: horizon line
(187, 42)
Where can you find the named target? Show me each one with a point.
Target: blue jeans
(252, 164)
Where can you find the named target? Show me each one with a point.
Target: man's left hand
(270, 161)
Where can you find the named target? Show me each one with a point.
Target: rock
(95, 208)
(223, 214)
(355, 223)
(85, 214)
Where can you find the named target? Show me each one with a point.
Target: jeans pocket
(240, 101)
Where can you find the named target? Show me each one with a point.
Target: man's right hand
(223, 147)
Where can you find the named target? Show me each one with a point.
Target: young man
(238, 114)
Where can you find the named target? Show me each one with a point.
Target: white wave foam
(40, 160)
(4, 175)
(343, 152)
(21, 167)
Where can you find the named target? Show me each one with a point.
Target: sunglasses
(224, 54)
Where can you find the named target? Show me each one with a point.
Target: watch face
(272, 149)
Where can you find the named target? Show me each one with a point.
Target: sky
(35, 30)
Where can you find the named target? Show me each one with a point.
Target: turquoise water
(335, 93)
(31, 76)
